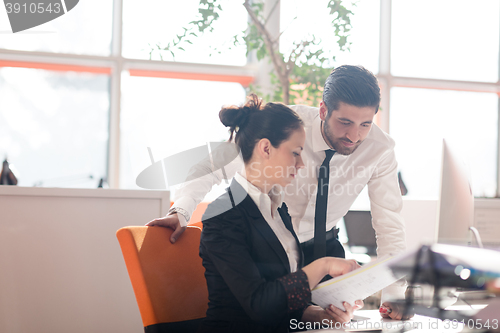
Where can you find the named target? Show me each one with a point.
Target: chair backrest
(168, 279)
(195, 219)
(198, 214)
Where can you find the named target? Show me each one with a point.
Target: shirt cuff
(297, 290)
(182, 215)
(185, 205)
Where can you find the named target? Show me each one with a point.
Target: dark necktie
(321, 204)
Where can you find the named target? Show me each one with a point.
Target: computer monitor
(360, 233)
(456, 201)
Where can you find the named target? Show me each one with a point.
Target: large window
(79, 95)
(468, 121)
(308, 19)
(82, 97)
(445, 39)
(443, 84)
(54, 126)
(86, 29)
(169, 116)
(161, 21)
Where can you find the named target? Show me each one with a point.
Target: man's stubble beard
(336, 144)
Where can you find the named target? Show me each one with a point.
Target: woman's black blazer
(248, 274)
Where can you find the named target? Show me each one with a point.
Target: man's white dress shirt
(373, 163)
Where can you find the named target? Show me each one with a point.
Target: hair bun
(234, 117)
(237, 116)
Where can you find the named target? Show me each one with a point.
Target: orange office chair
(197, 215)
(168, 279)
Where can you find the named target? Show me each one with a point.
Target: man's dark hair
(353, 85)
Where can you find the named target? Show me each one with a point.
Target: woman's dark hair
(353, 85)
(254, 121)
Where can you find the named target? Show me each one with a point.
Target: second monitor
(360, 233)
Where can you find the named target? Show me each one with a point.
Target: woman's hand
(316, 270)
(331, 314)
(339, 266)
(344, 316)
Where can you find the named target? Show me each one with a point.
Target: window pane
(296, 15)
(446, 39)
(86, 29)
(54, 126)
(170, 116)
(157, 22)
(421, 118)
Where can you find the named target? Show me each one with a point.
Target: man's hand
(169, 221)
(394, 311)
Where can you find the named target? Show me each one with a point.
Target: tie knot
(329, 154)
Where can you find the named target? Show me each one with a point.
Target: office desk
(375, 323)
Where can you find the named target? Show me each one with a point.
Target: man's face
(346, 127)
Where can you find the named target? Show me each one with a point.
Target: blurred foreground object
(402, 186)
(450, 266)
(493, 286)
(7, 177)
(463, 267)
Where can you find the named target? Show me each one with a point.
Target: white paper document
(355, 285)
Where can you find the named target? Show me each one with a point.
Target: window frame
(115, 64)
(388, 81)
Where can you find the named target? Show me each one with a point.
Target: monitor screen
(456, 201)
(360, 233)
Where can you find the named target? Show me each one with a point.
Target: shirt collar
(265, 202)
(318, 142)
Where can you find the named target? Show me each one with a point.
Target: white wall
(421, 216)
(487, 221)
(61, 267)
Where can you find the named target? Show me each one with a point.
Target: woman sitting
(251, 254)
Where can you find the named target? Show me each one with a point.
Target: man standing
(344, 152)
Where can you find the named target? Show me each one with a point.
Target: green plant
(299, 75)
